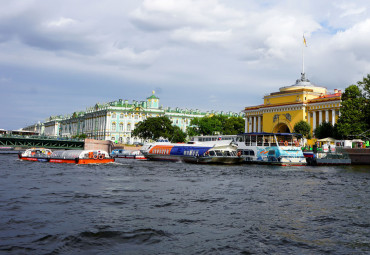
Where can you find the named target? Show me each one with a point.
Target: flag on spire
(304, 41)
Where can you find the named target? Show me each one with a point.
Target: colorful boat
(194, 152)
(271, 148)
(223, 154)
(66, 156)
(35, 154)
(121, 153)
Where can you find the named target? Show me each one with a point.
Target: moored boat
(282, 149)
(224, 154)
(66, 156)
(166, 151)
(120, 153)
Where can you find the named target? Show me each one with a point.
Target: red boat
(66, 156)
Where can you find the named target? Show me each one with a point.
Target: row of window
(121, 116)
(121, 126)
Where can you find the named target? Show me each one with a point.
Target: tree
(216, 124)
(154, 128)
(178, 135)
(302, 127)
(353, 120)
(324, 130)
(365, 85)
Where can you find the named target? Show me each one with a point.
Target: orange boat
(66, 156)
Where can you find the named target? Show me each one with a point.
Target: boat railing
(338, 153)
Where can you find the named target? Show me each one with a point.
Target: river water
(145, 207)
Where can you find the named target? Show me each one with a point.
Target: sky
(58, 57)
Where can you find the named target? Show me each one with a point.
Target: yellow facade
(281, 110)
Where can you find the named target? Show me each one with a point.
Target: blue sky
(57, 57)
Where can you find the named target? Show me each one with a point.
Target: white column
(254, 124)
(246, 124)
(333, 117)
(320, 117)
(250, 125)
(314, 121)
(309, 118)
(327, 116)
(259, 124)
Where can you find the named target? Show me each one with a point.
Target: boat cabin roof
(277, 134)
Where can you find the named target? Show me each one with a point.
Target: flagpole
(303, 54)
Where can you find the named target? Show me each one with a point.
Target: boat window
(251, 153)
(271, 152)
(218, 153)
(233, 153)
(227, 153)
(253, 140)
(259, 140)
(247, 140)
(212, 153)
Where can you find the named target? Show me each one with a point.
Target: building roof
(152, 96)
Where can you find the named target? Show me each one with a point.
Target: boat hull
(214, 160)
(34, 159)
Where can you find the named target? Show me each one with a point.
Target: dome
(304, 83)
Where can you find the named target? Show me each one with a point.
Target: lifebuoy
(100, 156)
(286, 143)
(296, 143)
(95, 156)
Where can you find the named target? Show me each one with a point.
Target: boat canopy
(72, 154)
(277, 134)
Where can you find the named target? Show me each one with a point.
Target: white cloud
(239, 50)
(61, 22)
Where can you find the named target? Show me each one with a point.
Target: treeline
(157, 127)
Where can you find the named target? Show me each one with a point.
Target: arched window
(121, 116)
(121, 126)
(114, 126)
(114, 115)
(129, 127)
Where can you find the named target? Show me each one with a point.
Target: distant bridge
(40, 141)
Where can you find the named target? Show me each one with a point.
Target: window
(121, 116)
(114, 126)
(114, 116)
(113, 138)
(121, 126)
(129, 127)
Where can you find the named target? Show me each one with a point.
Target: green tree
(234, 126)
(302, 127)
(216, 124)
(365, 85)
(353, 119)
(178, 136)
(324, 130)
(154, 128)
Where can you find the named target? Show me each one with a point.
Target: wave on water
(90, 241)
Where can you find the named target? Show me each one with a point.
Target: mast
(303, 46)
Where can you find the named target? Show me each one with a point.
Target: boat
(66, 156)
(35, 154)
(282, 149)
(121, 153)
(195, 152)
(224, 154)
(334, 156)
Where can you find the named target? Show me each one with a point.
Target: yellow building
(281, 110)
